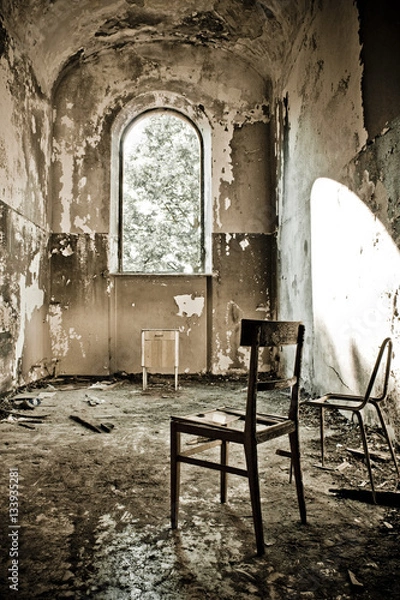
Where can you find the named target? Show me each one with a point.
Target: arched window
(161, 204)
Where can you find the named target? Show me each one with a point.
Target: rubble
(96, 507)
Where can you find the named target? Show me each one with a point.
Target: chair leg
(385, 431)
(366, 453)
(175, 474)
(296, 465)
(321, 433)
(254, 485)
(224, 474)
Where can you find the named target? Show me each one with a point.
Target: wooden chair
(356, 404)
(224, 425)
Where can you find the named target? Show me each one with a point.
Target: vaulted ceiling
(52, 32)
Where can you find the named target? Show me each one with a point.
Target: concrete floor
(93, 508)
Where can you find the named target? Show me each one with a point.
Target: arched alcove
(104, 309)
(138, 109)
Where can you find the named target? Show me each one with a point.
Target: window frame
(137, 109)
(144, 115)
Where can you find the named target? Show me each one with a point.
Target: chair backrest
(257, 334)
(382, 368)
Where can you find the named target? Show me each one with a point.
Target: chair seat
(218, 417)
(340, 401)
(224, 422)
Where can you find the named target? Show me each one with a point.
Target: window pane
(162, 214)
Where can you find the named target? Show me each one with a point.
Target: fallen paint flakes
(93, 400)
(344, 465)
(354, 581)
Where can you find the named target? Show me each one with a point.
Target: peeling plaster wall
(334, 120)
(244, 286)
(24, 277)
(163, 302)
(90, 94)
(339, 209)
(79, 304)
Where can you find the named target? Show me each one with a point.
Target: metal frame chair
(224, 425)
(356, 404)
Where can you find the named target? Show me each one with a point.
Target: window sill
(159, 275)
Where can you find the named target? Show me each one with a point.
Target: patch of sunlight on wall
(355, 274)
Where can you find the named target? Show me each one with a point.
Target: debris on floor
(93, 510)
(354, 581)
(85, 423)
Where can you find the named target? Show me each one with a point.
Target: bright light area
(355, 274)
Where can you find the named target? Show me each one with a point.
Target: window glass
(162, 214)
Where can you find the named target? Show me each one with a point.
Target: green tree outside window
(162, 217)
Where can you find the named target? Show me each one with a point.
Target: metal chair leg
(366, 453)
(385, 430)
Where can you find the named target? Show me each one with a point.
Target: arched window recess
(160, 217)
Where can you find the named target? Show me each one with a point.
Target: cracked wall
(24, 274)
(79, 303)
(332, 116)
(339, 211)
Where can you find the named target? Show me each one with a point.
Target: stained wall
(317, 137)
(96, 314)
(339, 209)
(24, 167)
